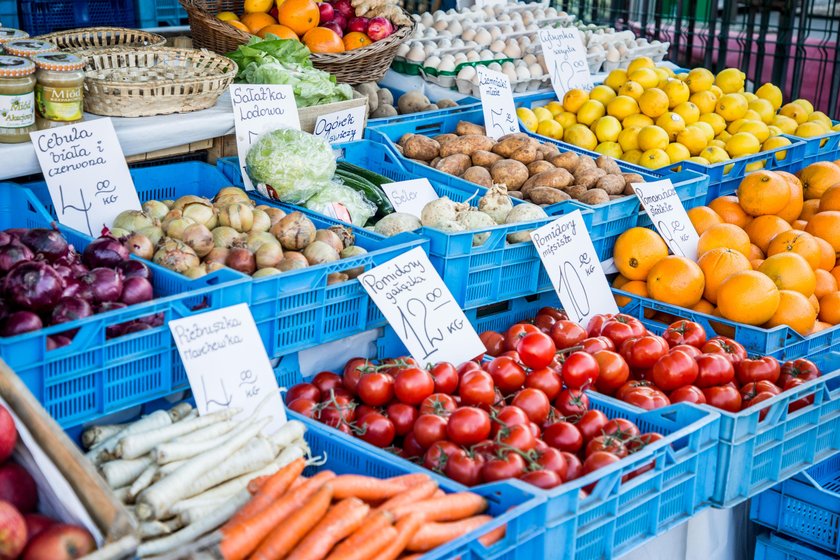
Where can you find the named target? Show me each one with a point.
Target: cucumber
(371, 176)
(369, 190)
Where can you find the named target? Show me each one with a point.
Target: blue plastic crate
(8, 13)
(159, 13)
(45, 16)
(462, 103)
(806, 507)
(774, 547)
(92, 375)
(297, 309)
(825, 147)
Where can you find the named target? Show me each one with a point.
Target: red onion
(106, 306)
(47, 242)
(136, 327)
(74, 287)
(105, 283)
(16, 232)
(57, 341)
(104, 251)
(155, 320)
(21, 322)
(135, 269)
(66, 273)
(70, 309)
(5, 238)
(241, 259)
(13, 253)
(115, 331)
(33, 285)
(136, 290)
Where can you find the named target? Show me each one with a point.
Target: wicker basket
(367, 64)
(102, 38)
(125, 82)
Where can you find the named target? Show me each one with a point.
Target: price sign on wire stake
(497, 103)
(567, 253)
(258, 109)
(565, 58)
(86, 174)
(419, 306)
(341, 126)
(410, 196)
(662, 203)
(226, 363)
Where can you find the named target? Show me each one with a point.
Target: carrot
(439, 493)
(271, 489)
(409, 480)
(243, 536)
(412, 495)
(407, 527)
(340, 521)
(451, 507)
(374, 535)
(255, 484)
(432, 535)
(493, 536)
(365, 488)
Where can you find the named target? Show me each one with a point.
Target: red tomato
(436, 456)
(377, 430)
(606, 443)
(687, 393)
(429, 429)
(566, 334)
(445, 377)
(410, 447)
(753, 388)
(572, 402)
(713, 369)
(553, 460)
(630, 385)
(536, 350)
(337, 411)
(494, 343)
(556, 314)
(544, 323)
(546, 380)
(692, 351)
(726, 397)
(761, 369)
(535, 430)
(363, 409)
(467, 367)
(753, 399)
(544, 479)
(413, 385)
(591, 424)
(353, 370)
(464, 467)
(563, 436)
(438, 403)
(685, 332)
(516, 332)
(798, 403)
(598, 460)
(518, 437)
(802, 369)
(674, 370)
(304, 406)
(509, 416)
(596, 323)
(535, 404)
(580, 370)
(477, 389)
(574, 468)
(468, 425)
(613, 371)
(511, 465)
(507, 375)
(488, 449)
(643, 352)
(325, 381)
(726, 346)
(402, 416)
(647, 398)
(303, 391)
(623, 327)
(621, 428)
(592, 345)
(376, 389)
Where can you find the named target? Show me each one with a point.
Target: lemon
(602, 93)
(836, 127)
(822, 118)
(786, 124)
(734, 126)
(631, 156)
(805, 104)
(774, 130)
(581, 136)
(631, 89)
(677, 92)
(574, 99)
(555, 107)
(671, 123)
(654, 159)
(705, 101)
(756, 128)
(742, 144)
(731, 106)
(681, 76)
(754, 166)
(543, 114)
(698, 159)
(607, 129)
(590, 112)
(795, 111)
(611, 149)
(227, 16)
(652, 137)
(718, 143)
(640, 62)
(653, 102)
(566, 119)
(771, 93)
(551, 128)
(723, 136)
(638, 121)
(622, 107)
(717, 91)
(688, 111)
(751, 115)
(716, 121)
(677, 152)
(700, 79)
(750, 96)
(810, 130)
(668, 72)
(628, 139)
(645, 77)
(776, 142)
(714, 154)
(663, 74)
(707, 129)
(730, 80)
(763, 109)
(616, 78)
(528, 118)
(693, 139)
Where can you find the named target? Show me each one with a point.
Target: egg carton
(467, 87)
(594, 60)
(656, 53)
(448, 79)
(543, 23)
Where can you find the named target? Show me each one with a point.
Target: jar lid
(28, 47)
(8, 34)
(15, 67)
(60, 62)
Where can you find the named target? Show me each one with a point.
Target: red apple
(8, 434)
(359, 24)
(327, 11)
(18, 487)
(345, 8)
(12, 531)
(335, 27)
(379, 28)
(36, 523)
(60, 542)
(340, 21)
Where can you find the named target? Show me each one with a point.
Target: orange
(755, 263)
(703, 217)
(724, 235)
(820, 326)
(239, 25)
(638, 287)
(721, 329)
(795, 311)
(256, 21)
(826, 225)
(300, 16)
(730, 211)
(794, 206)
(676, 280)
(764, 228)
(281, 31)
(356, 40)
(830, 308)
(636, 251)
(789, 271)
(815, 303)
(836, 273)
(830, 199)
(718, 265)
(809, 209)
(703, 306)
(755, 252)
(619, 281)
(798, 242)
(799, 224)
(828, 258)
(763, 192)
(826, 283)
(748, 286)
(322, 40)
(818, 177)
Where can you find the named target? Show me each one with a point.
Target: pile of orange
(767, 256)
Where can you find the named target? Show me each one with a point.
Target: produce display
(381, 101)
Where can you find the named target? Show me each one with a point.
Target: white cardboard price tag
(86, 174)
(421, 309)
(258, 109)
(341, 126)
(497, 103)
(226, 363)
(569, 257)
(565, 58)
(410, 196)
(662, 203)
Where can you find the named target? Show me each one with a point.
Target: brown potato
(587, 162)
(464, 127)
(421, 147)
(608, 164)
(484, 158)
(632, 178)
(404, 138)
(525, 154)
(456, 164)
(479, 176)
(575, 191)
(595, 196)
(515, 194)
(613, 184)
(510, 173)
(588, 177)
(548, 151)
(628, 189)
(444, 138)
(508, 147)
(466, 145)
(555, 178)
(539, 167)
(547, 195)
(568, 161)
(435, 161)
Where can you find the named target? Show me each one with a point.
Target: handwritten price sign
(341, 126)
(662, 203)
(86, 174)
(497, 103)
(410, 196)
(226, 362)
(416, 302)
(565, 57)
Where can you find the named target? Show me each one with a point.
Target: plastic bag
(343, 203)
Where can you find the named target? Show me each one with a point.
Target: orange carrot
(493, 536)
(242, 537)
(295, 527)
(448, 508)
(409, 480)
(433, 535)
(365, 488)
(439, 493)
(340, 521)
(375, 534)
(407, 527)
(255, 484)
(271, 489)
(411, 496)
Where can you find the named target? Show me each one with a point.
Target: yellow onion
(269, 255)
(183, 201)
(257, 238)
(228, 199)
(330, 238)
(226, 237)
(350, 252)
(196, 272)
(294, 232)
(140, 245)
(319, 252)
(214, 266)
(292, 260)
(199, 238)
(336, 278)
(348, 238)
(238, 216)
(263, 272)
(176, 255)
(235, 192)
(155, 209)
(132, 220)
(175, 229)
(261, 221)
(274, 214)
(216, 254)
(154, 234)
(201, 213)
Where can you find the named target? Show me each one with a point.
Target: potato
(539, 167)
(479, 176)
(616, 196)
(595, 196)
(421, 147)
(467, 145)
(613, 184)
(608, 164)
(568, 161)
(404, 138)
(434, 162)
(508, 147)
(632, 178)
(547, 195)
(588, 177)
(525, 154)
(515, 194)
(587, 162)
(575, 191)
(555, 178)
(444, 138)
(464, 127)
(514, 135)
(485, 158)
(446, 104)
(384, 110)
(510, 173)
(412, 102)
(548, 151)
(456, 164)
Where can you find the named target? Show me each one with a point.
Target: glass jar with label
(59, 92)
(17, 99)
(28, 48)
(8, 34)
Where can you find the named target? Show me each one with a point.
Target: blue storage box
(160, 13)
(462, 103)
(825, 147)
(39, 17)
(9, 14)
(774, 547)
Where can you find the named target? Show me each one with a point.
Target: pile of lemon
(650, 116)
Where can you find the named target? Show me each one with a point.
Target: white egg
(541, 61)
(483, 38)
(508, 66)
(443, 44)
(457, 43)
(471, 45)
(527, 17)
(512, 51)
(523, 73)
(441, 25)
(451, 12)
(518, 27)
(641, 41)
(455, 27)
(473, 56)
(507, 30)
(427, 19)
(419, 29)
(532, 27)
(447, 58)
(403, 50)
(468, 34)
(495, 66)
(489, 11)
(613, 55)
(466, 73)
(497, 46)
(622, 50)
(416, 54)
(504, 17)
(486, 54)
(495, 32)
(539, 14)
(510, 42)
(535, 70)
(511, 74)
(432, 62)
(447, 65)
(439, 14)
(529, 59)
(460, 58)
(551, 13)
(430, 33)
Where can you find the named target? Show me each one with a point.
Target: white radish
(153, 421)
(224, 491)
(173, 524)
(256, 454)
(124, 471)
(122, 548)
(289, 432)
(97, 434)
(143, 481)
(199, 511)
(167, 469)
(121, 494)
(139, 444)
(180, 410)
(172, 451)
(209, 432)
(152, 529)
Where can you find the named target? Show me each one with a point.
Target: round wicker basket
(141, 82)
(102, 38)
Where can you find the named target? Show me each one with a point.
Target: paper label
(410, 197)
(421, 309)
(226, 363)
(59, 104)
(497, 103)
(567, 254)
(86, 174)
(258, 109)
(565, 58)
(341, 126)
(662, 203)
(17, 111)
